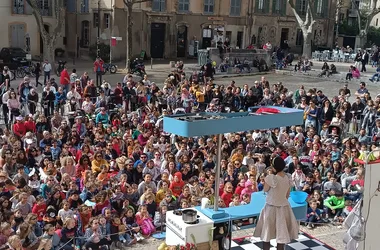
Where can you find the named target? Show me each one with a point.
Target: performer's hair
(278, 164)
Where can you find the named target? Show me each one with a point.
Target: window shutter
(325, 8)
(283, 5)
(257, 6)
(316, 8)
(163, 5)
(267, 2)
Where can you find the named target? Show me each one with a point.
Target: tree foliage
(373, 36)
(366, 12)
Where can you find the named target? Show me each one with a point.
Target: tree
(366, 12)
(129, 5)
(306, 25)
(49, 39)
(339, 5)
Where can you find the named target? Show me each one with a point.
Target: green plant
(348, 29)
(373, 36)
(104, 51)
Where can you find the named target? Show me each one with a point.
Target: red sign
(113, 42)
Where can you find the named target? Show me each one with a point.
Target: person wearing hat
(277, 220)
(19, 128)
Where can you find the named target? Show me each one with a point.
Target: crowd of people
(96, 169)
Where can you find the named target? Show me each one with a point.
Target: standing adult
(37, 72)
(277, 220)
(98, 69)
(65, 80)
(4, 100)
(365, 59)
(47, 69)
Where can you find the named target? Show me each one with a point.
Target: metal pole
(217, 172)
(98, 39)
(111, 27)
(151, 63)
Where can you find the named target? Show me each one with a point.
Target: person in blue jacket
(102, 117)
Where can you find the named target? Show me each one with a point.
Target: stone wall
(241, 54)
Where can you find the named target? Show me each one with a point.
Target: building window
(107, 20)
(377, 21)
(84, 6)
(96, 19)
(208, 6)
(279, 7)
(183, 5)
(85, 34)
(235, 7)
(44, 7)
(301, 7)
(18, 7)
(159, 5)
(299, 38)
(262, 6)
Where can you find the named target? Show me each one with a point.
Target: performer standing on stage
(277, 220)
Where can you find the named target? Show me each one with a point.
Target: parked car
(13, 55)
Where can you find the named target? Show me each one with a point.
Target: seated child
(335, 205)
(235, 200)
(246, 199)
(160, 218)
(313, 214)
(128, 219)
(144, 220)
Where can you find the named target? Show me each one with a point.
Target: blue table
(250, 210)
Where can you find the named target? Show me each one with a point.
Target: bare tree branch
(59, 10)
(298, 18)
(311, 10)
(38, 16)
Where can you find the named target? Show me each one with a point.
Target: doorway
(239, 39)
(284, 36)
(157, 40)
(181, 41)
(47, 27)
(206, 38)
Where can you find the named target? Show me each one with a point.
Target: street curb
(242, 75)
(291, 73)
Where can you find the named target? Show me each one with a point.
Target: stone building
(166, 28)
(19, 26)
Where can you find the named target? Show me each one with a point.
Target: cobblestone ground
(328, 234)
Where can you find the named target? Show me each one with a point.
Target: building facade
(20, 28)
(167, 28)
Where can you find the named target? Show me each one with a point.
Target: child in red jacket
(177, 184)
